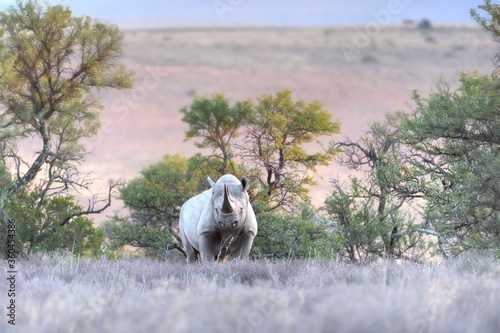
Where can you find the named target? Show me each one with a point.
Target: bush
(40, 227)
(290, 236)
(424, 24)
(154, 199)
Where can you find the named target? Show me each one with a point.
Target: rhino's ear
(245, 183)
(210, 181)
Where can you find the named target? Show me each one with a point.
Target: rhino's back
(228, 179)
(192, 212)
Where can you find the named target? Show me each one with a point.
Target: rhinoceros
(218, 222)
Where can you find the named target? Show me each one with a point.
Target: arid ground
(358, 78)
(57, 294)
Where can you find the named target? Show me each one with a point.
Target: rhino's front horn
(226, 205)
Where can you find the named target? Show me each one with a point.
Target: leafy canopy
(456, 136)
(52, 66)
(39, 228)
(154, 199)
(265, 140)
(215, 124)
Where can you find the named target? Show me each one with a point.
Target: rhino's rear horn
(226, 205)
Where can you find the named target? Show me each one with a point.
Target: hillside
(173, 66)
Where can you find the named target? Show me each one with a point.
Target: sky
(134, 14)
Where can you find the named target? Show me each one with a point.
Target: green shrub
(291, 236)
(41, 227)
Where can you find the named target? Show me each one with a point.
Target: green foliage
(5, 179)
(161, 188)
(373, 216)
(154, 199)
(490, 23)
(201, 167)
(265, 141)
(434, 172)
(41, 228)
(283, 236)
(285, 125)
(215, 124)
(365, 227)
(274, 144)
(357, 230)
(457, 137)
(155, 240)
(52, 66)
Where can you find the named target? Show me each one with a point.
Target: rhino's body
(218, 222)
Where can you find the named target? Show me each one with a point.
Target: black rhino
(218, 222)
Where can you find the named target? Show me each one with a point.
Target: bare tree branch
(92, 204)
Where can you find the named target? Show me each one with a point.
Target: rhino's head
(229, 203)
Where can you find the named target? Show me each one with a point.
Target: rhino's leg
(191, 254)
(246, 245)
(208, 247)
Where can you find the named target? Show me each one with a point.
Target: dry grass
(64, 294)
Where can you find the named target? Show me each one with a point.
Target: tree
(216, 124)
(52, 66)
(456, 137)
(445, 155)
(274, 143)
(231, 134)
(490, 23)
(285, 236)
(41, 228)
(154, 199)
(438, 164)
(265, 140)
(368, 214)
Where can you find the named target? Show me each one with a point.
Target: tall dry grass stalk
(65, 294)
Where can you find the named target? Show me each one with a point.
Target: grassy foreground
(66, 294)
